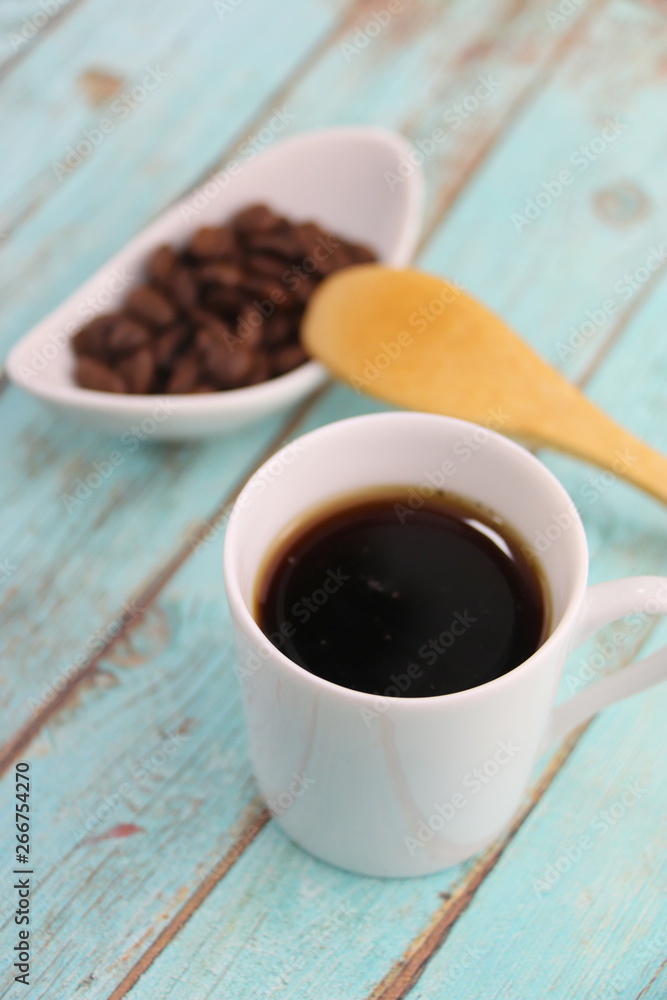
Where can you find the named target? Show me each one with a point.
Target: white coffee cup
(404, 786)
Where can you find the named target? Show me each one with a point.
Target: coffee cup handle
(604, 603)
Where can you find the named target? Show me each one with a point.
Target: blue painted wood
(154, 743)
(279, 923)
(597, 916)
(50, 461)
(61, 458)
(602, 225)
(75, 542)
(140, 165)
(24, 22)
(190, 479)
(592, 930)
(157, 142)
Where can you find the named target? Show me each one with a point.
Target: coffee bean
(185, 375)
(278, 328)
(308, 235)
(250, 325)
(359, 254)
(149, 304)
(265, 263)
(221, 313)
(91, 338)
(282, 244)
(303, 287)
(127, 335)
(255, 219)
(229, 369)
(212, 242)
(216, 326)
(222, 300)
(92, 374)
(333, 259)
(184, 288)
(251, 336)
(274, 294)
(208, 343)
(137, 371)
(161, 263)
(215, 358)
(286, 358)
(224, 273)
(239, 369)
(262, 370)
(168, 343)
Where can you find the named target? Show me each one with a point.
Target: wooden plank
(598, 930)
(627, 535)
(300, 927)
(171, 52)
(37, 565)
(154, 791)
(449, 50)
(391, 940)
(191, 477)
(330, 921)
(48, 461)
(162, 760)
(581, 248)
(604, 910)
(24, 23)
(253, 927)
(73, 568)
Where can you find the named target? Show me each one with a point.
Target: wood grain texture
(134, 840)
(54, 461)
(628, 535)
(25, 23)
(60, 560)
(603, 225)
(152, 731)
(235, 953)
(428, 56)
(60, 458)
(157, 140)
(165, 752)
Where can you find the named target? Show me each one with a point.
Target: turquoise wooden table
(157, 870)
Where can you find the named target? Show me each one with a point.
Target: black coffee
(397, 596)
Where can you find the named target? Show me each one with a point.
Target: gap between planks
(346, 20)
(541, 79)
(18, 743)
(39, 36)
(309, 59)
(409, 968)
(658, 972)
(251, 829)
(406, 972)
(128, 621)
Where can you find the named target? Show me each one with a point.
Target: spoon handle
(588, 433)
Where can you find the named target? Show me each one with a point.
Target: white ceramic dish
(335, 176)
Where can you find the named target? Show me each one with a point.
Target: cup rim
(245, 618)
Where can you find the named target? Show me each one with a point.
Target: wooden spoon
(420, 342)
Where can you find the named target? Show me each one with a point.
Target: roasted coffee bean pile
(221, 313)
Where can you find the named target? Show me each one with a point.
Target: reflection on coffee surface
(383, 593)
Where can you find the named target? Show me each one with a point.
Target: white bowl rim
(294, 384)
